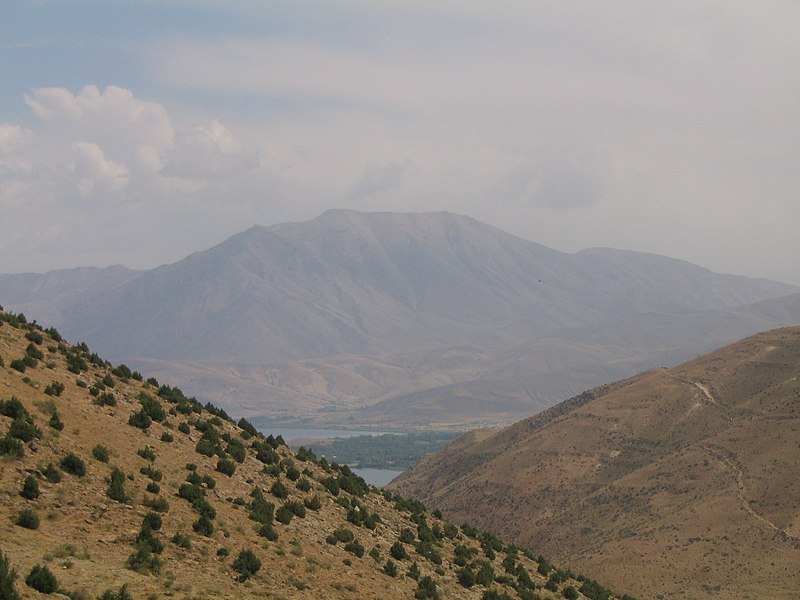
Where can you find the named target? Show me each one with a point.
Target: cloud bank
(668, 128)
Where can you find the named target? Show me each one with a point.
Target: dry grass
(685, 480)
(85, 537)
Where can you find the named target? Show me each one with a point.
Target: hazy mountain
(683, 478)
(351, 309)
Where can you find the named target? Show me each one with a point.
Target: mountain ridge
(401, 288)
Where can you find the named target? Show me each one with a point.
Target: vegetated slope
(684, 479)
(288, 316)
(108, 481)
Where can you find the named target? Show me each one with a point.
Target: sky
(139, 132)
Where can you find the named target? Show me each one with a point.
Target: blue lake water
(376, 477)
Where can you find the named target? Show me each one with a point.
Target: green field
(396, 451)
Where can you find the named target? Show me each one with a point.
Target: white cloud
(668, 127)
(95, 171)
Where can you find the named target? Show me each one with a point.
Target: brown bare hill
(325, 318)
(684, 479)
(108, 481)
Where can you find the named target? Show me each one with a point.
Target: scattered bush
(355, 547)
(54, 389)
(246, 564)
(42, 580)
(158, 504)
(101, 453)
(398, 551)
(279, 490)
(73, 465)
(52, 473)
(284, 515)
(226, 467)
(141, 420)
(7, 577)
(116, 486)
(30, 488)
(11, 447)
(426, 588)
(55, 422)
(24, 430)
(13, 408)
(203, 526)
(147, 453)
(153, 487)
(166, 437)
(182, 541)
(313, 503)
(121, 594)
(27, 519)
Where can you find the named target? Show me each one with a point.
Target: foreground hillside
(393, 319)
(684, 479)
(109, 481)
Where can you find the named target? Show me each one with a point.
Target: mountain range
(392, 319)
(683, 479)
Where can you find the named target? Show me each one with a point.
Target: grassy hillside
(684, 479)
(109, 481)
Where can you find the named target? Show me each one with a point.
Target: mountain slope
(683, 478)
(107, 481)
(401, 289)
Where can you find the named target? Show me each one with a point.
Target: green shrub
(153, 487)
(398, 551)
(143, 560)
(466, 577)
(27, 519)
(182, 541)
(279, 490)
(116, 486)
(184, 427)
(246, 564)
(226, 467)
(426, 588)
(355, 547)
(11, 447)
(42, 580)
(570, 593)
(30, 488)
(121, 594)
(73, 465)
(167, 437)
(52, 473)
(24, 430)
(13, 408)
(304, 485)
(101, 453)
(390, 568)
(141, 420)
(158, 504)
(104, 399)
(56, 388)
(203, 526)
(152, 473)
(313, 503)
(284, 515)
(147, 453)
(8, 575)
(55, 422)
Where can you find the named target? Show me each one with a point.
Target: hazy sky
(139, 132)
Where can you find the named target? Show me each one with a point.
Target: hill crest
(681, 477)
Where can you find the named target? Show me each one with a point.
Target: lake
(376, 477)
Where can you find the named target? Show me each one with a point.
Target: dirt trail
(704, 391)
(740, 491)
